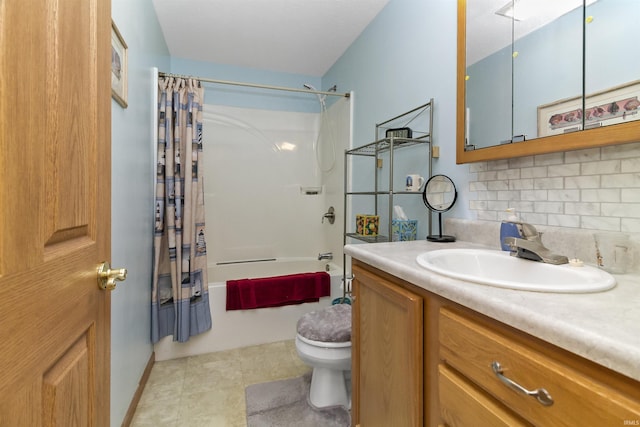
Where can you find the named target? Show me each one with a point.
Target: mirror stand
(440, 237)
(439, 195)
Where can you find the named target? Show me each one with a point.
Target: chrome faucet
(326, 255)
(529, 246)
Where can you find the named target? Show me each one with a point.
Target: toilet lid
(331, 324)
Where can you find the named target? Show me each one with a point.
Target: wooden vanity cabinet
(387, 365)
(573, 391)
(422, 360)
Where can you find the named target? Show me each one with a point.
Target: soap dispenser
(510, 228)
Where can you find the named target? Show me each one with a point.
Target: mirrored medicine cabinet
(541, 76)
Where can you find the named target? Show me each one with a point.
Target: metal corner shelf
(369, 239)
(374, 150)
(387, 144)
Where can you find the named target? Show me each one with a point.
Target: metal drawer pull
(540, 394)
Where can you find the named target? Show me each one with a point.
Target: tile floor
(208, 390)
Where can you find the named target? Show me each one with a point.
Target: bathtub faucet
(326, 255)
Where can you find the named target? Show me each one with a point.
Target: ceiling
(308, 36)
(293, 36)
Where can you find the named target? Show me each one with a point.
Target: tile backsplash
(592, 189)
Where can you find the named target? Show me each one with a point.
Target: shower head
(308, 86)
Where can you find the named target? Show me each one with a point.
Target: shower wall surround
(257, 161)
(596, 189)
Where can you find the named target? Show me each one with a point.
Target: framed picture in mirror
(619, 104)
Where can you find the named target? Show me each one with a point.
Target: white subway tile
(629, 195)
(601, 168)
(509, 174)
(580, 156)
(533, 194)
(487, 176)
(508, 195)
(548, 183)
(498, 165)
(595, 188)
(521, 162)
(582, 208)
(601, 195)
(621, 180)
(477, 167)
(486, 195)
(630, 165)
(628, 210)
(478, 186)
(534, 218)
(523, 206)
(621, 151)
(521, 184)
(498, 185)
(588, 181)
(498, 205)
(534, 172)
(600, 223)
(563, 170)
(549, 207)
(549, 159)
(572, 221)
(564, 195)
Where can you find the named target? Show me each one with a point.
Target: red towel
(276, 291)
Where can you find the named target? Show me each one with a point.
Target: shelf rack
(374, 149)
(388, 145)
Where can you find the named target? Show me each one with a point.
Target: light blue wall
(247, 97)
(404, 58)
(132, 201)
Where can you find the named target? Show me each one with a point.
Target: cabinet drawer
(462, 404)
(472, 348)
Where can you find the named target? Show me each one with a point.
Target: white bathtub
(241, 328)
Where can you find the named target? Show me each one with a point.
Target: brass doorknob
(107, 276)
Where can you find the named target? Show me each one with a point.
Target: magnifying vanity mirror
(439, 195)
(540, 76)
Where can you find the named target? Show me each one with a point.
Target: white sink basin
(498, 268)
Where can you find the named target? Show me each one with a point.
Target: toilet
(323, 341)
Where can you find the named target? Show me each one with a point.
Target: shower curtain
(180, 298)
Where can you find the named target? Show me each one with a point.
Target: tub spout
(326, 255)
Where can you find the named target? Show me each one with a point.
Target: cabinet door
(387, 353)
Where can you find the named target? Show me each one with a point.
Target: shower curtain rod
(228, 82)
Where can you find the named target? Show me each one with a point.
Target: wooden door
(387, 337)
(55, 122)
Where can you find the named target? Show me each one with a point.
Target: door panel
(388, 345)
(55, 163)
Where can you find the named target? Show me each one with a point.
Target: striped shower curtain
(180, 298)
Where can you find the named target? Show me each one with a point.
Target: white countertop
(603, 327)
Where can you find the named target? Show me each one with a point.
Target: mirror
(439, 195)
(525, 83)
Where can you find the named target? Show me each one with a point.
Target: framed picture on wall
(118, 67)
(618, 104)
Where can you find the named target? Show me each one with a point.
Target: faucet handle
(529, 232)
(330, 215)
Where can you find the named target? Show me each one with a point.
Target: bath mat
(285, 403)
